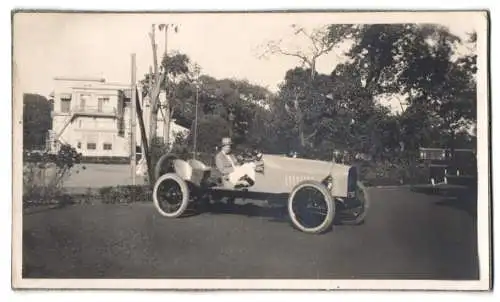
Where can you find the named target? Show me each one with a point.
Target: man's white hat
(226, 141)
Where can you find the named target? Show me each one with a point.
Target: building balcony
(95, 111)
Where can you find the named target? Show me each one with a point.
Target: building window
(83, 101)
(91, 146)
(79, 145)
(106, 146)
(65, 104)
(100, 102)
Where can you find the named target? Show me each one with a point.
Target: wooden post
(133, 122)
(166, 118)
(144, 140)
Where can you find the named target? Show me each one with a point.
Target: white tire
(171, 195)
(297, 211)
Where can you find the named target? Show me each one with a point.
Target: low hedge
(125, 194)
(384, 174)
(105, 195)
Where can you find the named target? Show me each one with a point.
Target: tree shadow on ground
(458, 197)
(43, 206)
(58, 203)
(465, 203)
(444, 189)
(31, 268)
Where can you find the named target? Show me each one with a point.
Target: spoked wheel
(171, 195)
(311, 207)
(354, 212)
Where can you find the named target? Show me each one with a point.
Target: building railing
(95, 110)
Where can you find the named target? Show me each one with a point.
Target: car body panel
(281, 174)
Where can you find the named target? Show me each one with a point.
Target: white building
(95, 117)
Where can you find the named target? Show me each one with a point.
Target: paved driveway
(407, 235)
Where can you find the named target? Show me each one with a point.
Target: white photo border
(480, 18)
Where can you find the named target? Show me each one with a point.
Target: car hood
(302, 165)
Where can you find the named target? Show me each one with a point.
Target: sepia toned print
(325, 150)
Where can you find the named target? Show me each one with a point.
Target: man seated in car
(234, 173)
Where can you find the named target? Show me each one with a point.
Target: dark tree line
(36, 120)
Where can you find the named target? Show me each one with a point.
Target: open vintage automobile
(316, 192)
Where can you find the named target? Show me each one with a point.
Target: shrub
(44, 175)
(125, 194)
(393, 173)
(40, 183)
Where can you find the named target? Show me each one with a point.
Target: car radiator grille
(292, 180)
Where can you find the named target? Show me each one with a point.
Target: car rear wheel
(354, 212)
(165, 164)
(311, 207)
(171, 195)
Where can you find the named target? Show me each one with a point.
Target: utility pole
(166, 118)
(195, 136)
(231, 123)
(195, 130)
(133, 120)
(153, 119)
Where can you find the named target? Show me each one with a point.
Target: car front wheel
(311, 207)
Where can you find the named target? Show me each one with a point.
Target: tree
(237, 101)
(211, 128)
(304, 100)
(158, 76)
(455, 101)
(37, 120)
(321, 41)
(416, 61)
(176, 68)
(155, 81)
(246, 102)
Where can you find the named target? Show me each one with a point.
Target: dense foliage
(36, 120)
(316, 114)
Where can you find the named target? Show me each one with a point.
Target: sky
(47, 45)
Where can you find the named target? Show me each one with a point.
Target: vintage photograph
(251, 150)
